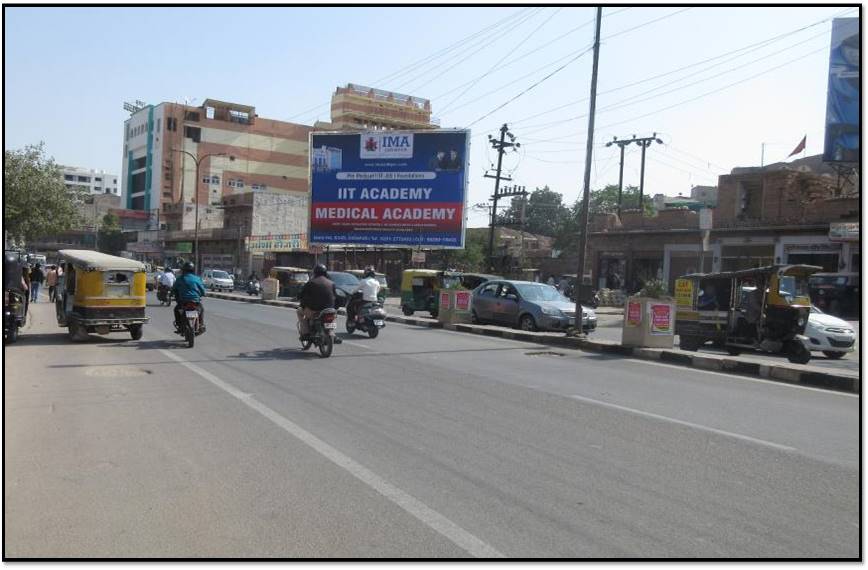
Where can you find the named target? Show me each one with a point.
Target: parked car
(832, 336)
(528, 305)
(217, 280)
(345, 283)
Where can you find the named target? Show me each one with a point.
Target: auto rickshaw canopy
(95, 261)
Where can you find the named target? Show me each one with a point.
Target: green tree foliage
(36, 202)
(472, 257)
(110, 238)
(545, 212)
(602, 201)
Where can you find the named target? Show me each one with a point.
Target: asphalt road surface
(420, 443)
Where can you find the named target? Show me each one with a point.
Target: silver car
(528, 305)
(216, 279)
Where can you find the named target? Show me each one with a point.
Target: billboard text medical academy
(389, 188)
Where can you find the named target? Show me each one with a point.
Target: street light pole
(197, 160)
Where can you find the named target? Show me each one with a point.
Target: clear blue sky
(69, 70)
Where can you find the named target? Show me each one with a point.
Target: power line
(628, 30)
(492, 68)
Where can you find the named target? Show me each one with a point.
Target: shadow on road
(281, 353)
(61, 338)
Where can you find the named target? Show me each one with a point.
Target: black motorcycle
(164, 295)
(253, 287)
(322, 333)
(365, 317)
(191, 324)
(14, 297)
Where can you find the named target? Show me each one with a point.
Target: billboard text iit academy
(842, 99)
(389, 188)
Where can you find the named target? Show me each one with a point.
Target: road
(421, 443)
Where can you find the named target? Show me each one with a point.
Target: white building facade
(96, 181)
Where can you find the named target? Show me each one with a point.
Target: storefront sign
(276, 242)
(844, 231)
(418, 257)
(684, 292)
(444, 299)
(634, 314)
(183, 247)
(661, 318)
(462, 300)
(812, 247)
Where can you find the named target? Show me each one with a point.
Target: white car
(218, 280)
(831, 335)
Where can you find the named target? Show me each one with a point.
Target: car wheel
(733, 351)
(834, 355)
(408, 312)
(526, 323)
(474, 318)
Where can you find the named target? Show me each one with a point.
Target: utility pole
(583, 221)
(644, 143)
(621, 143)
(500, 146)
(507, 192)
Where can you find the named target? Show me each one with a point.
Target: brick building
(356, 107)
(763, 216)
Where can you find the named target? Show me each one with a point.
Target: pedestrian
(51, 282)
(551, 280)
(36, 279)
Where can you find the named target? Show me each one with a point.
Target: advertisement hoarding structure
(389, 188)
(843, 95)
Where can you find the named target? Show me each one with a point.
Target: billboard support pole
(583, 222)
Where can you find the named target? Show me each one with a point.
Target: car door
(507, 305)
(484, 300)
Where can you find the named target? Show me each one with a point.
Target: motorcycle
(191, 325)
(164, 295)
(322, 333)
(369, 317)
(14, 314)
(254, 288)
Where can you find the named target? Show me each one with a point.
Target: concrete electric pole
(500, 146)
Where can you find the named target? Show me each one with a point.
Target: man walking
(51, 282)
(36, 279)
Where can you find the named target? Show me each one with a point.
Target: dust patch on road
(116, 371)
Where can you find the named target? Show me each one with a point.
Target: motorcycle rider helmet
(188, 267)
(320, 270)
(369, 271)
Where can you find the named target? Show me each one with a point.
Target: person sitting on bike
(369, 287)
(316, 295)
(165, 281)
(188, 288)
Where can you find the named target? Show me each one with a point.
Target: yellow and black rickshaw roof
(96, 261)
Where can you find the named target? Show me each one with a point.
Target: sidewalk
(789, 373)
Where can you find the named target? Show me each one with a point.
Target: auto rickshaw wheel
(833, 355)
(798, 353)
(77, 333)
(136, 332)
(690, 343)
(434, 313)
(12, 336)
(408, 312)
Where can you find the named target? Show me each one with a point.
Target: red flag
(800, 147)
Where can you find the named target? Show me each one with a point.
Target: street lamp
(197, 160)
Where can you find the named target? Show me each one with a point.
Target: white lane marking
(439, 523)
(684, 423)
(745, 378)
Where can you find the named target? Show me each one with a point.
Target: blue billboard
(389, 188)
(842, 100)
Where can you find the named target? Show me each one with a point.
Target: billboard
(842, 99)
(389, 188)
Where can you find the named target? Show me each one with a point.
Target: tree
(110, 238)
(602, 201)
(36, 202)
(472, 257)
(545, 212)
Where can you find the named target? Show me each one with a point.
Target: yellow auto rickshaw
(100, 293)
(420, 289)
(290, 279)
(764, 309)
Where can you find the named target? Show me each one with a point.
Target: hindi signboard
(276, 242)
(389, 188)
(684, 293)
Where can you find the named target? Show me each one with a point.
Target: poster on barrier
(444, 299)
(661, 318)
(462, 300)
(634, 314)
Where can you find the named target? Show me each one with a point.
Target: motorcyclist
(165, 281)
(369, 287)
(316, 295)
(188, 287)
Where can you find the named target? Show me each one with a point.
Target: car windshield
(539, 292)
(381, 279)
(220, 275)
(343, 279)
(828, 280)
(302, 277)
(815, 309)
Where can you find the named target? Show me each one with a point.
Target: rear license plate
(379, 323)
(331, 325)
(191, 314)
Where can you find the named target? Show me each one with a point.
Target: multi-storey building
(237, 151)
(356, 107)
(95, 181)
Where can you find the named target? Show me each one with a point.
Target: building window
(158, 125)
(140, 162)
(209, 112)
(239, 117)
(97, 179)
(258, 186)
(171, 124)
(191, 116)
(193, 133)
(97, 189)
(84, 178)
(211, 179)
(69, 177)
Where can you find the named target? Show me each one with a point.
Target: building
(91, 211)
(700, 197)
(764, 216)
(257, 154)
(356, 107)
(95, 181)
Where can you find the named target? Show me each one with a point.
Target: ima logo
(387, 145)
